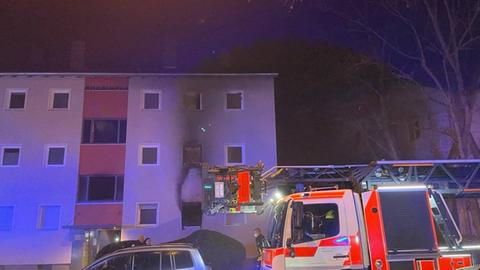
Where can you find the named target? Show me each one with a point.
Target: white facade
(213, 127)
(32, 183)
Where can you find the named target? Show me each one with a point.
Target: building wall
(32, 184)
(213, 127)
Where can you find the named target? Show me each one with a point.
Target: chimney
(77, 56)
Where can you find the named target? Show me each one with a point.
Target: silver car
(159, 257)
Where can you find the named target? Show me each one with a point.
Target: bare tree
(435, 43)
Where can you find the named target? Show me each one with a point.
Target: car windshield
(276, 226)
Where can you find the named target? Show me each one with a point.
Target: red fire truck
(391, 227)
(383, 217)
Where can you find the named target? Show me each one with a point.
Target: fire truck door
(325, 244)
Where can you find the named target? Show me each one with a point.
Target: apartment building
(88, 159)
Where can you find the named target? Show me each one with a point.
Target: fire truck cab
(391, 227)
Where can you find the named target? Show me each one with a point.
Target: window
(192, 101)
(49, 217)
(147, 214)
(55, 155)
(17, 98)
(166, 261)
(151, 99)
(235, 154)
(320, 221)
(147, 261)
(6, 218)
(234, 101)
(182, 259)
(276, 225)
(235, 219)
(119, 262)
(10, 156)
(104, 131)
(192, 154)
(149, 154)
(59, 99)
(100, 188)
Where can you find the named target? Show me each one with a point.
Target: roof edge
(114, 74)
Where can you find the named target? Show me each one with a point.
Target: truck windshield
(276, 225)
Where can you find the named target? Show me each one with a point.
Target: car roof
(167, 246)
(155, 247)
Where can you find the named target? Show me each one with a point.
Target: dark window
(147, 261)
(104, 131)
(11, 156)
(148, 214)
(191, 214)
(276, 224)
(183, 259)
(120, 262)
(235, 154)
(17, 100)
(100, 188)
(149, 155)
(60, 100)
(166, 261)
(44, 267)
(192, 101)
(234, 101)
(151, 101)
(320, 221)
(6, 218)
(56, 155)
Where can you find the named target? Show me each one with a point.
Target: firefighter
(261, 243)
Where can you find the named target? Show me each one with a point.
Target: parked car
(157, 257)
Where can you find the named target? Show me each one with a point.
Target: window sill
(100, 202)
(15, 109)
(59, 109)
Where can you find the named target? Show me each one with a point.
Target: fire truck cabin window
(320, 221)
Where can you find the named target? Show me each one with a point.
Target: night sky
(127, 35)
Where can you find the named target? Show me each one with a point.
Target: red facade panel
(102, 159)
(105, 104)
(98, 214)
(106, 83)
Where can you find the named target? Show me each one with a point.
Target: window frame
(151, 91)
(242, 102)
(115, 194)
(140, 153)
(12, 223)
(92, 129)
(51, 98)
(39, 215)
(200, 94)
(47, 154)
(137, 216)
(15, 146)
(8, 98)
(242, 145)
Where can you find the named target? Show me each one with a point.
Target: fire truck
(383, 215)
